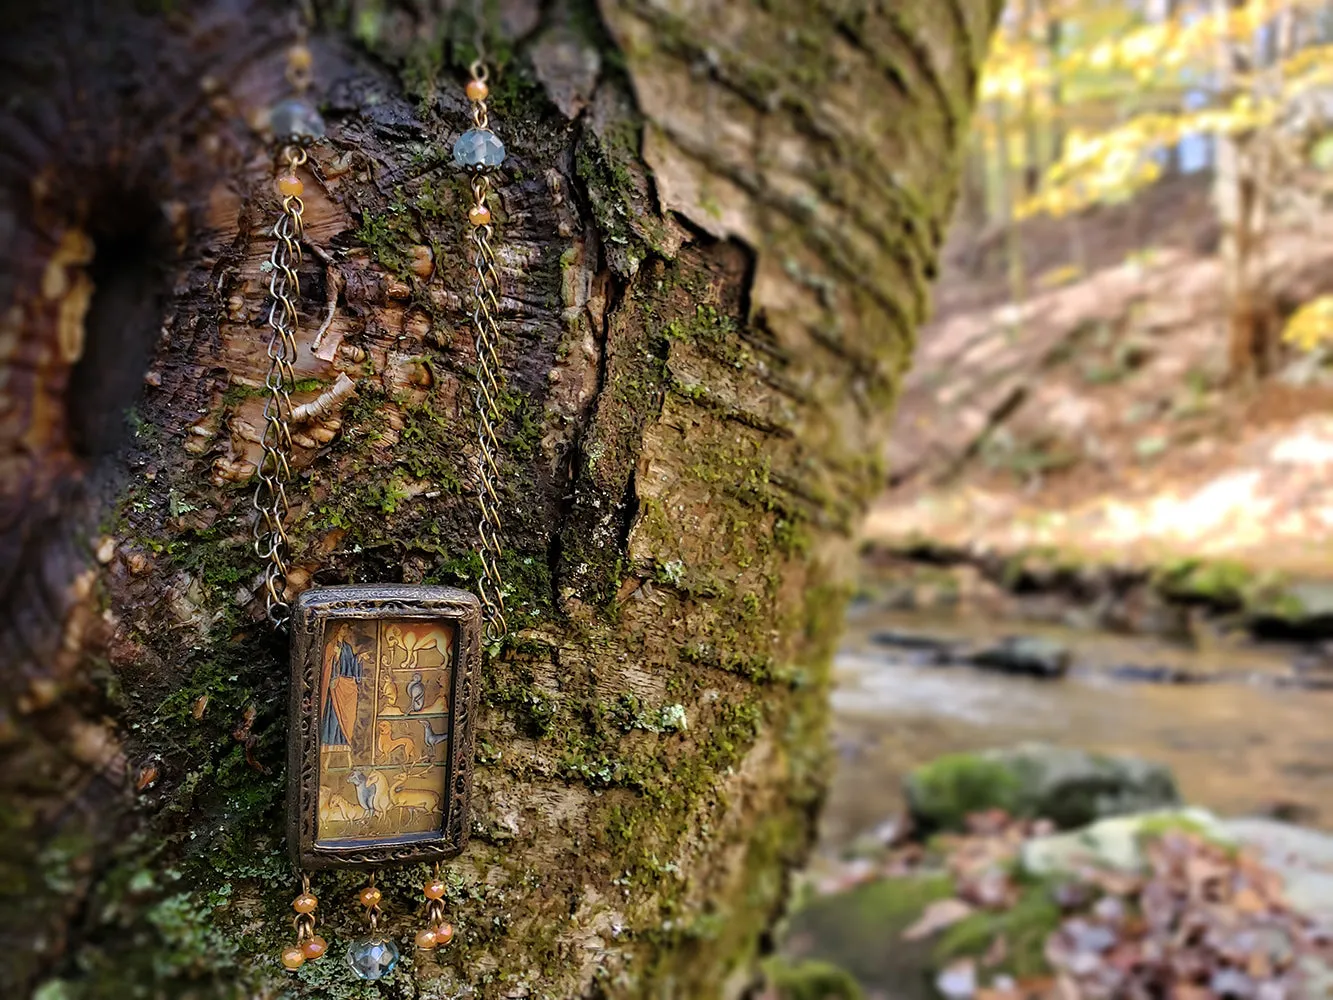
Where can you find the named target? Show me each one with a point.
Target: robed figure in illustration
(343, 671)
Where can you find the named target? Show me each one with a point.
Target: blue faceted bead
(295, 119)
(372, 958)
(478, 148)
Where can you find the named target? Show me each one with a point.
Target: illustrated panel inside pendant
(384, 736)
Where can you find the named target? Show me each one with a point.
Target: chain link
(271, 541)
(485, 309)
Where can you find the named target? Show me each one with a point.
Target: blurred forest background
(1099, 589)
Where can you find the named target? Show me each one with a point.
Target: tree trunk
(716, 229)
(1241, 194)
(1055, 94)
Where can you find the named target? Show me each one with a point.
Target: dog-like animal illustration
(387, 743)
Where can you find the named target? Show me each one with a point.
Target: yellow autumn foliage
(1134, 81)
(1311, 325)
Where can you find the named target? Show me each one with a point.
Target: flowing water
(1240, 743)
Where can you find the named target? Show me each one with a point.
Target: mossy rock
(1025, 926)
(810, 980)
(860, 932)
(941, 794)
(1116, 844)
(1068, 786)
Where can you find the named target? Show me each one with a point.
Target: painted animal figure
(367, 786)
(335, 808)
(389, 698)
(412, 801)
(416, 692)
(430, 736)
(388, 743)
(412, 644)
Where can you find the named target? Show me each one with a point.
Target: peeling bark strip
(718, 224)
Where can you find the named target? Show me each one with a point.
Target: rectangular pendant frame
(316, 617)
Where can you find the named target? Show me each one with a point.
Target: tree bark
(716, 229)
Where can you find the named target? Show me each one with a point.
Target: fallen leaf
(958, 980)
(996, 953)
(936, 917)
(1248, 901)
(1190, 991)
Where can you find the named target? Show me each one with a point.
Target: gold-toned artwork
(384, 731)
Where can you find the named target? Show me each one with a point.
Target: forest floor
(1095, 418)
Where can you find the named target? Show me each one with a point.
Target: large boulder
(1115, 844)
(1304, 859)
(1068, 786)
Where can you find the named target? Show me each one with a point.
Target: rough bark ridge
(717, 226)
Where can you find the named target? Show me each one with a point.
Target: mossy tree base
(711, 282)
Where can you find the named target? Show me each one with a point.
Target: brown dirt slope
(1094, 416)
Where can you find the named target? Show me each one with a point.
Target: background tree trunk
(716, 229)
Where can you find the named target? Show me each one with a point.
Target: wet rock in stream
(1069, 786)
(919, 649)
(1033, 656)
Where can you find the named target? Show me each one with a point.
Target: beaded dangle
(373, 956)
(309, 945)
(295, 124)
(480, 151)
(438, 932)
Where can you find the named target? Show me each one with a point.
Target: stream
(1240, 737)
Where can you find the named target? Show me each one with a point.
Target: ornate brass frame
(314, 611)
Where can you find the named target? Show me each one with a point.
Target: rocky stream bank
(1153, 828)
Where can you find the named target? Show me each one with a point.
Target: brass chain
(485, 310)
(271, 502)
(271, 541)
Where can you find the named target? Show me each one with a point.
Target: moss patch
(810, 980)
(945, 791)
(859, 930)
(1024, 928)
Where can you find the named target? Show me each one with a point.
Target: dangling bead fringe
(375, 956)
(438, 932)
(309, 945)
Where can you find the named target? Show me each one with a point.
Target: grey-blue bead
(295, 119)
(478, 148)
(372, 958)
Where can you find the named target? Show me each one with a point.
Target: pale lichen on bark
(716, 227)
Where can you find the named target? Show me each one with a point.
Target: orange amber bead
(293, 957)
(434, 889)
(426, 939)
(314, 947)
(305, 903)
(479, 215)
(477, 90)
(444, 934)
(290, 186)
(370, 896)
(299, 57)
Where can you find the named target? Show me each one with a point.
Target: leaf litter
(1200, 921)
